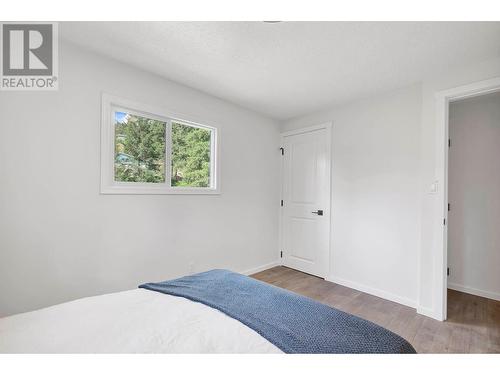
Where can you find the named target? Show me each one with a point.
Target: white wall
(430, 291)
(474, 193)
(60, 239)
(375, 193)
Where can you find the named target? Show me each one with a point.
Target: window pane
(190, 156)
(139, 149)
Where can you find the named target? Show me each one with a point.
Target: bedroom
(242, 156)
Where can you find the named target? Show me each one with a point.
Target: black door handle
(319, 212)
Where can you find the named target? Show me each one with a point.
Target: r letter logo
(29, 56)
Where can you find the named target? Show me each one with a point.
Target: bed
(218, 311)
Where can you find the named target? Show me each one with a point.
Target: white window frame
(110, 104)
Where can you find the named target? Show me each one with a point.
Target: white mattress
(134, 321)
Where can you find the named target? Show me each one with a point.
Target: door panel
(303, 173)
(306, 189)
(301, 230)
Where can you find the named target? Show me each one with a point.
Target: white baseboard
(429, 313)
(260, 268)
(476, 292)
(373, 291)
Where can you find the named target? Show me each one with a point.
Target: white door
(306, 200)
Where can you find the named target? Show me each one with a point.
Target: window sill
(150, 190)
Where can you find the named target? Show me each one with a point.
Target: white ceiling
(288, 69)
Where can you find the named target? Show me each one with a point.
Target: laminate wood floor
(473, 324)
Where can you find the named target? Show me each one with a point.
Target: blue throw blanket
(293, 323)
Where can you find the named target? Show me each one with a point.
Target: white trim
(476, 292)
(373, 291)
(443, 99)
(427, 312)
(328, 127)
(264, 267)
(471, 90)
(280, 213)
(108, 186)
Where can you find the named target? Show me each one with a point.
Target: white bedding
(134, 321)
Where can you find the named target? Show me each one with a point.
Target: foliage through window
(190, 156)
(139, 148)
(154, 153)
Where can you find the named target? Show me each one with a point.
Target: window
(147, 151)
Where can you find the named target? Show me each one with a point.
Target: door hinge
(282, 151)
(444, 221)
(449, 142)
(281, 254)
(448, 271)
(449, 207)
(281, 203)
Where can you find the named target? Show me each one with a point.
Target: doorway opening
(444, 103)
(473, 203)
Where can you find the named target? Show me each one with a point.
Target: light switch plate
(433, 189)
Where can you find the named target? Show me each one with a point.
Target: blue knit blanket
(293, 323)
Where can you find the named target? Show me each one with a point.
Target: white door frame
(443, 100)
(328, 127)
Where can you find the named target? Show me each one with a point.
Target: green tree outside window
(140, 149)
(190, 156)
